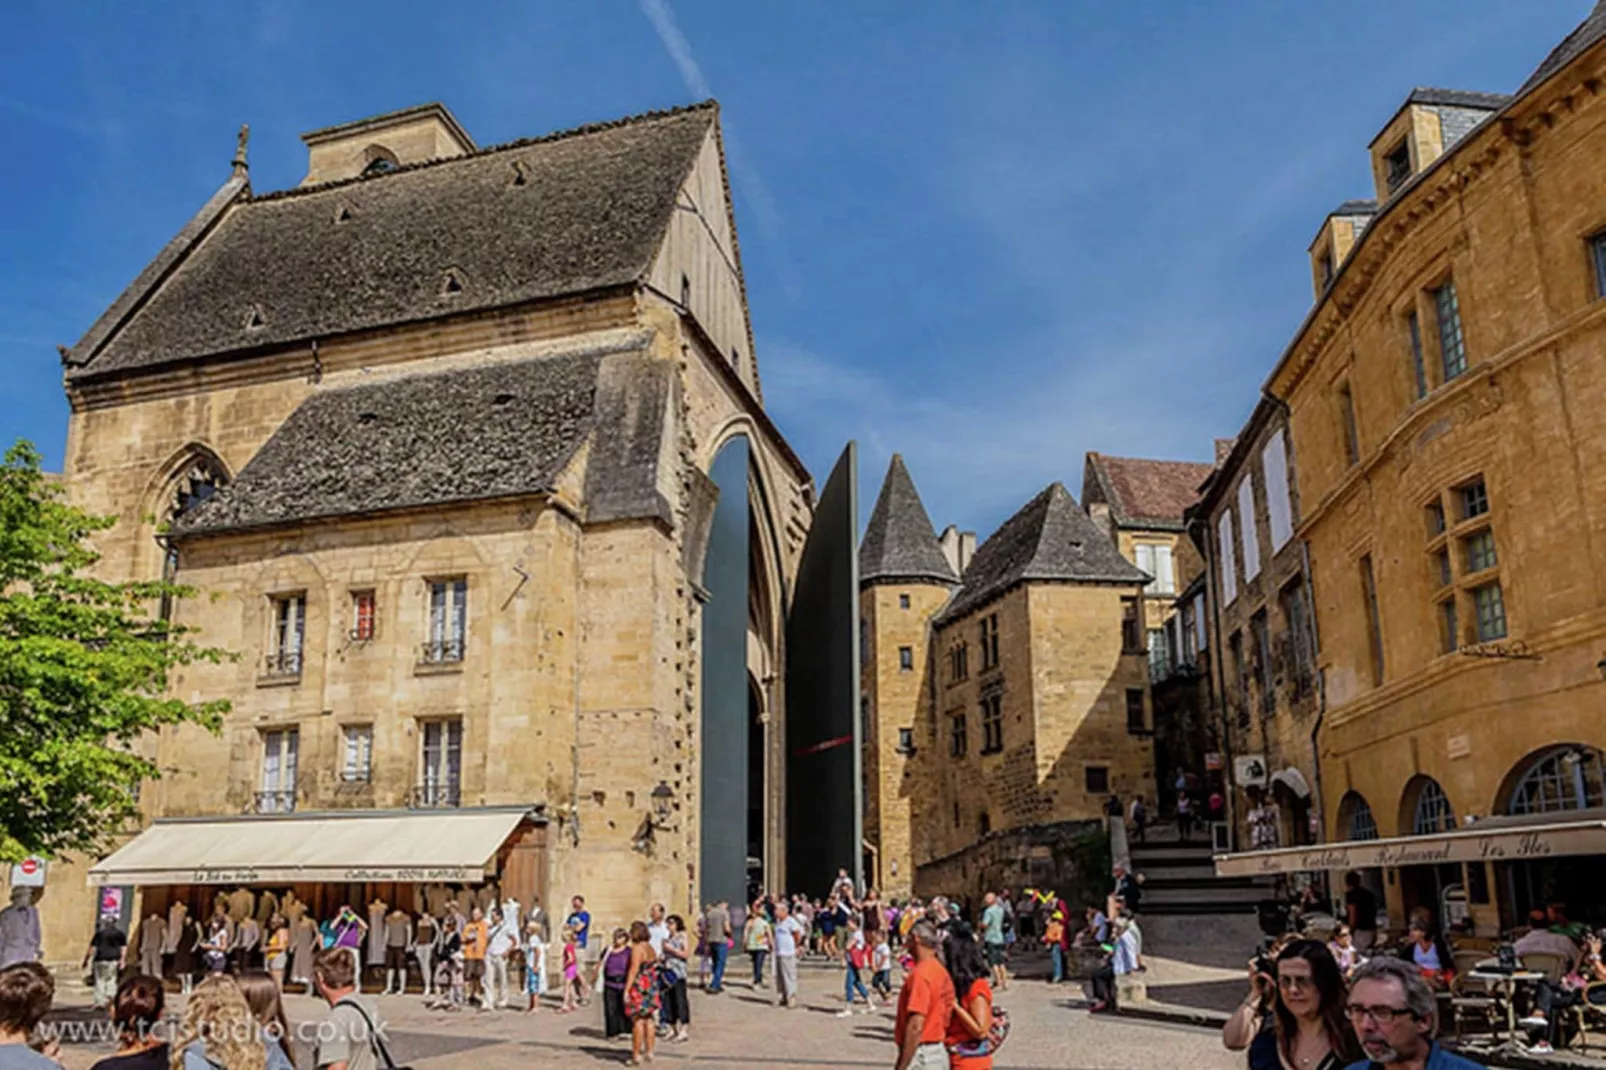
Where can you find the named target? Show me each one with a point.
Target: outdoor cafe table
(1508, 983)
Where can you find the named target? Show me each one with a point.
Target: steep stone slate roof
(1143, 493)
(1587, 33)
(465, 434)
(1050, 539)
(899, 543)
(567, 213)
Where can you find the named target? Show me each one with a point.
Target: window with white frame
(1201, 635)
(448, 620)
(357, 749)
(440, 763)
(1159, 655)
(278, 792)
(1224, 550)
(1155, 559)
(1279, 505)
(1246, 526)
(289, 635)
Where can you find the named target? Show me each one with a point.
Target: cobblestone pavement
(743, 1028)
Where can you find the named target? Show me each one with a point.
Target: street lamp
(661, 796)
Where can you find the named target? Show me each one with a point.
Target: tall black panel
(723, 866)
(824, 782)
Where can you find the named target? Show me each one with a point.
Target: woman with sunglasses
(1294, 1019)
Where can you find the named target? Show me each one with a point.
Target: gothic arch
(192, 474)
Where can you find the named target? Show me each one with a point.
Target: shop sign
(1496, 845)
(1213, 762)
(1249, 769)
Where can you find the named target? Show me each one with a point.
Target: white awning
(1527, 839)
(379, 845)
(1294, 781)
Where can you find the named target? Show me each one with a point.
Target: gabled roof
(571, 212)
(464, 434)
(1143, 493)
(1049, 540)
(1591, 30)
(899, 543)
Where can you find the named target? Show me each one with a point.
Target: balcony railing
(440, 652)
(278, 801)
(436, 797)
(282, 663)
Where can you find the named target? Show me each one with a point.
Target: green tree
(84, 668)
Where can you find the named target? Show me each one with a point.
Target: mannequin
(19, 929)
(436, 896)
(242, 904)
(426, 938)
(267, 907)
(303, 942)
(511, 913)
(293, 909)
(246, 937)
(377, 910)
(184, 945)
(178, 915)
(152, 941)
(397, 936)
(484, 897)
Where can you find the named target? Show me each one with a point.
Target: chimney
(958, 547)
(383, 143)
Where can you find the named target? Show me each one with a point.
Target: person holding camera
(1293, 1018)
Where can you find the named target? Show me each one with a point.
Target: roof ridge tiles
(601, 126)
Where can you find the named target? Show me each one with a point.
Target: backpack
(994, 1040)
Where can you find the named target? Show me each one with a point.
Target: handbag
(374, 1038)
(989, 1044)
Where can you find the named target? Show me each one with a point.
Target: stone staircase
(1180, 878)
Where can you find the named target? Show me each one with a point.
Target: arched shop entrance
(1443, 887)
(1559, 783)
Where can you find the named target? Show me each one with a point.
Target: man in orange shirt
(924, 1006)
(476, 934)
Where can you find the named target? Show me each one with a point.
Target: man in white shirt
(787, 933)
(657, 928)
(499, 945)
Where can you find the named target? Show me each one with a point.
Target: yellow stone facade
(895, 683)
(1487, 479)
(578, 691)
(1061, 679)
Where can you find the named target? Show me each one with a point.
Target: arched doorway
(1425, 810)
(1563, 780)
(1357, 822)
(743, 603)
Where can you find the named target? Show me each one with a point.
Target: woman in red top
(970, 1028)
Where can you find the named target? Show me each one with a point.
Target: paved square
(744, 1028)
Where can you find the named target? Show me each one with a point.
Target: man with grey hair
(787, 933)
(925, 1005)
(1395, 1016)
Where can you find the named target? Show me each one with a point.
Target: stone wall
(1071, 858)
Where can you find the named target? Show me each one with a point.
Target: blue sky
(990, 236)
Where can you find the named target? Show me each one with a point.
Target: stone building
(446, 439)
(1261, 644)
(905, 578)
(1444, 404)
(1141, 503)
(998, 705)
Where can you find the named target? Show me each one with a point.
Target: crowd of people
(230, 1021)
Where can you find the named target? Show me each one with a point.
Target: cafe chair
(1586, 1013)
(1473, 1001)
(1554, 967)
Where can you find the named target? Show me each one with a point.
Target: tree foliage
(84, 668)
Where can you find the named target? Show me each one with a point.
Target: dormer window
(381, 161)
(1324, 267)
(1397, 165)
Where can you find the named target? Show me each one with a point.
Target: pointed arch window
(201, 478)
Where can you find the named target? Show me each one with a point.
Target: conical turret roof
(899, 543)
